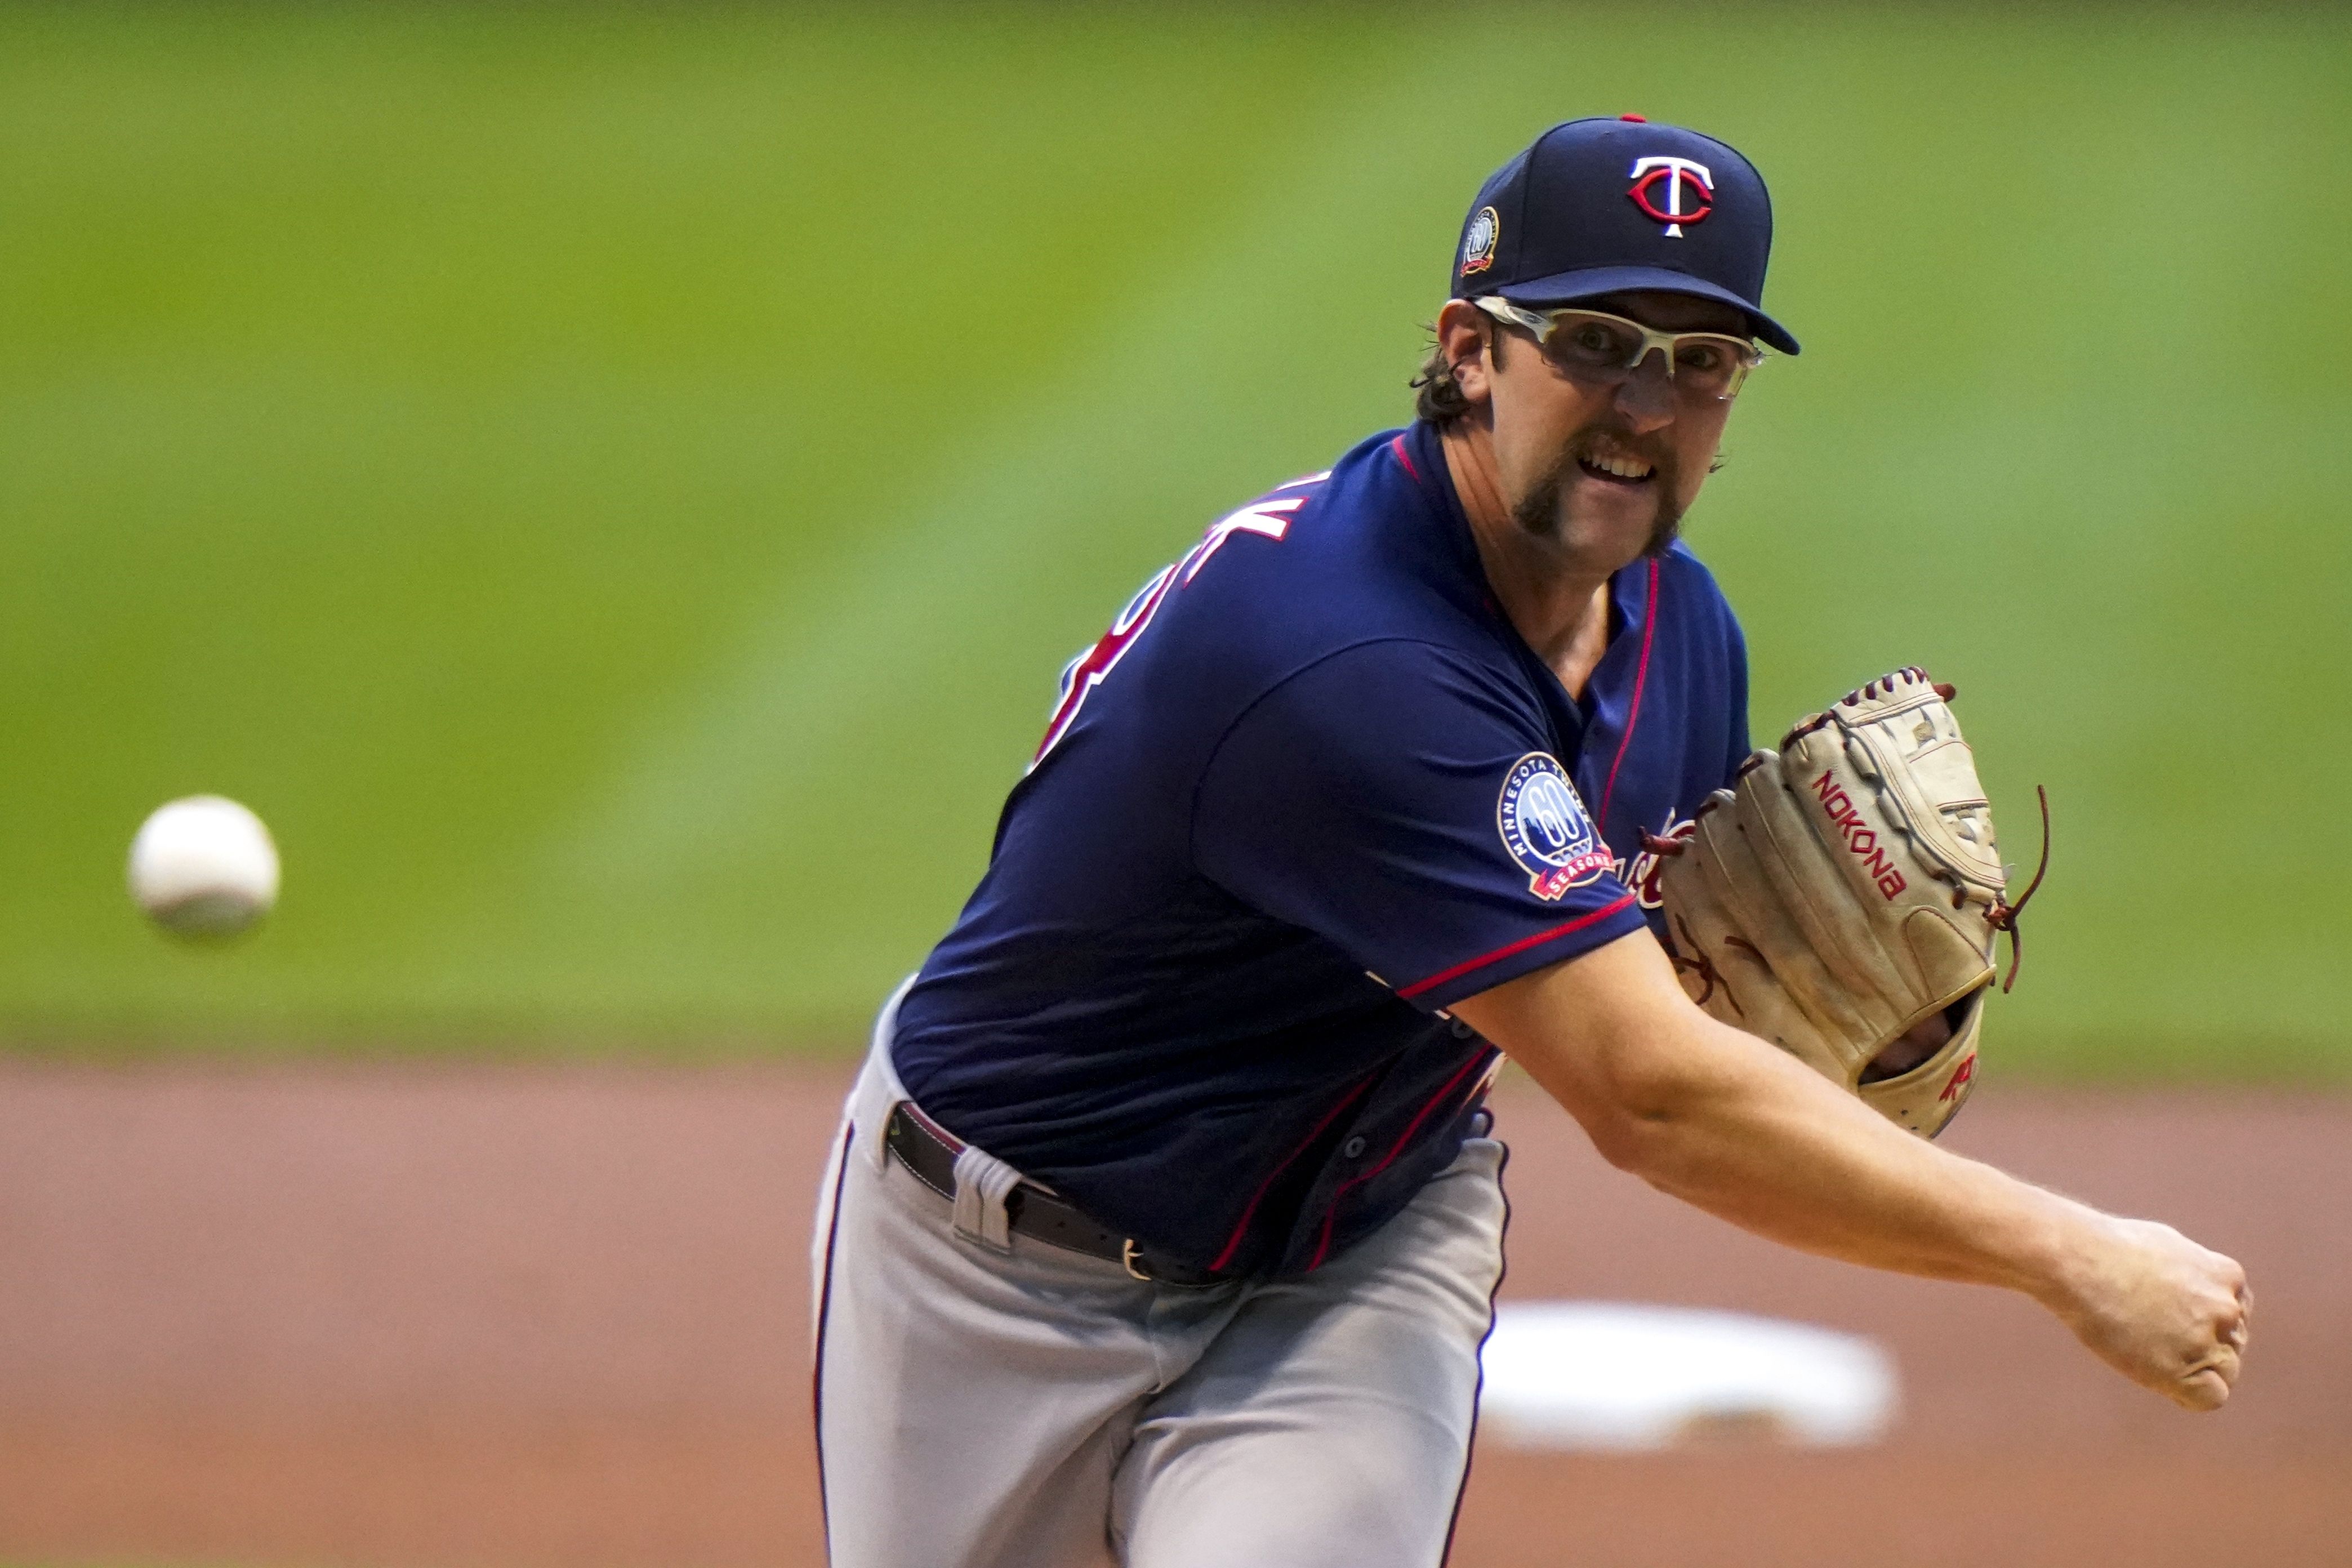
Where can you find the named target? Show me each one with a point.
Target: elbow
(1619, 1140)
(1644, 1122)
(1642, 1145)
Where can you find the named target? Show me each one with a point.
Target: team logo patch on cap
(1478, 244)
(1546, 830)
(1674, 191)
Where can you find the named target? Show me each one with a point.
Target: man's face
(1605, 472)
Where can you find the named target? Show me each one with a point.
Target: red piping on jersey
(1233, 1243)
(1397, 445)
(1525, 942)
(1632, 715)
(1323, 1245)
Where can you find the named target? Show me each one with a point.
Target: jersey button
(1352, 1149)
(1462, 1031)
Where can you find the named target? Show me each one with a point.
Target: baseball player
(1166, 1217)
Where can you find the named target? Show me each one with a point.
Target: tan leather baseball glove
(1841, 900)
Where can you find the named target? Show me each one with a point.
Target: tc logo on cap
(1676, 174)
(1478, 244)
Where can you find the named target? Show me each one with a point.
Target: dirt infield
(485, 1316)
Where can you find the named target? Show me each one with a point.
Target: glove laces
(2002, 914)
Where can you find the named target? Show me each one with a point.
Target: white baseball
(204, 866)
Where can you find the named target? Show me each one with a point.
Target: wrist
(2060, 1251)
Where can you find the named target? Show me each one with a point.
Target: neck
(1557, 602)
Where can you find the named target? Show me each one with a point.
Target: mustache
(1538, 512)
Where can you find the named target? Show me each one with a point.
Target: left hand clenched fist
(2164, 1311)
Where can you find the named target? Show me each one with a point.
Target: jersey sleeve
(1401, 803)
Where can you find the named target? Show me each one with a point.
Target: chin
(1617, 533)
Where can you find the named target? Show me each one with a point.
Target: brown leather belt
(928, 1151)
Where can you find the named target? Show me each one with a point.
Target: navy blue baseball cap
(1600, 206)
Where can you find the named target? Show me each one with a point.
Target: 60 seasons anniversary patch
(1545, 827)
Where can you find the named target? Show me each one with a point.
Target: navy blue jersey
(1311, 789)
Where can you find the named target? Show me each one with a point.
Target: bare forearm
(1727, 1123)
(1755, 1137)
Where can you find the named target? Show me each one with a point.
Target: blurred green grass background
(613, 487)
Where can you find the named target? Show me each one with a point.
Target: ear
(1464, 334)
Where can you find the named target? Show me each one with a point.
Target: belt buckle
(1126, 1261)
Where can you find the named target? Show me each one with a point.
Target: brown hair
(1437, 397)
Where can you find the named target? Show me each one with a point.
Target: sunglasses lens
(1591, 343)
(1712, 367)
(1600, 347)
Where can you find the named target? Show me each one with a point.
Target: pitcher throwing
(1166, 1216)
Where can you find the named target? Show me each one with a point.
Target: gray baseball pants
(985, 1400)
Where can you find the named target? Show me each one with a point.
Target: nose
(1646, 397)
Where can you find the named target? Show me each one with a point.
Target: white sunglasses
(1595, 346)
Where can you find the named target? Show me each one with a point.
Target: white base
(1617, 1376)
